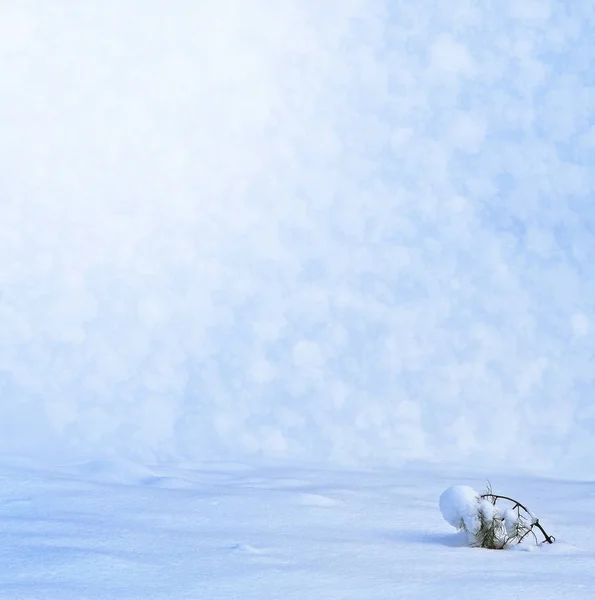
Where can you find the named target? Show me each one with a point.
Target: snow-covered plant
(488, 519)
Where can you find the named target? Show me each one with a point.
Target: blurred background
(349, 232)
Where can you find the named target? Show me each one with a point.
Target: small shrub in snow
(490, 520)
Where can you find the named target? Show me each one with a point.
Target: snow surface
(108, 530)
(458, 505)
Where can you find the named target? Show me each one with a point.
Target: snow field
(223, 531)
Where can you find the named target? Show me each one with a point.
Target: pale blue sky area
(343, 231)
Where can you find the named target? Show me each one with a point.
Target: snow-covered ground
(113, 530)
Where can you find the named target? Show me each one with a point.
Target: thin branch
(534, 521)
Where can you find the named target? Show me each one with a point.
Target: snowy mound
(488, 522)
(459, 505)
(113, 470)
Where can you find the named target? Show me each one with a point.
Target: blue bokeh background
(344, 231)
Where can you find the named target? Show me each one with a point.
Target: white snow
(222, 531)
(459, 505)
(511, 519)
